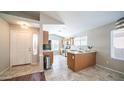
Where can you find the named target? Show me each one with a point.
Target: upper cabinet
(45, 37)
(70, 41)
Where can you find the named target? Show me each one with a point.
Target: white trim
(4, 70)
(10, 48)
(110, 69)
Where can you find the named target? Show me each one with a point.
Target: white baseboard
(4, 70)
(110, 69)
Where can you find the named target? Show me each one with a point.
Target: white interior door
(21, 47)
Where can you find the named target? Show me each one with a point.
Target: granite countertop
(81, 52)
(47, 51)
(41, 54)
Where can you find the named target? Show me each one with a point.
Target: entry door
(21, 47)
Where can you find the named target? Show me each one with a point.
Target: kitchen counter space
(81, 52)
(47, 51)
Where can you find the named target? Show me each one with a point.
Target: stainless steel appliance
(67, 48)
(47, 64)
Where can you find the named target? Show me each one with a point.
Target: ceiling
(63, 23)
(28, 18)
(83, 20)
(35, 15)
(57, 29)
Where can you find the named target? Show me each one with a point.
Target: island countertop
(47, 51)
(81, 52)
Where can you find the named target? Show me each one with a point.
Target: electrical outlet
(107, 62)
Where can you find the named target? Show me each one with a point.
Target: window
(35, 44)
(55, 44)
(117, 44)
(77, 41)
(80, 41)
(83, 41)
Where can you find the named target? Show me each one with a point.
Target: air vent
(119, 23)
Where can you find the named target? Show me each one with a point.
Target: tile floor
(38, 76)
(20, 71)
(60, 72)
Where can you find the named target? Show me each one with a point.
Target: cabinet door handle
(72, 57)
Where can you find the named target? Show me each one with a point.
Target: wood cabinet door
(45, 37)
(70, 60)
(51, 57)
(90, 58)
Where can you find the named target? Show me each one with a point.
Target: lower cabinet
(78, 62)
(70, 60)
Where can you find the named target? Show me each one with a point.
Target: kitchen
(58, 45)
(81, 42)
(68, 48)
(82, 55)
(61, 49)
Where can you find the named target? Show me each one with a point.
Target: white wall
(55, 37)
(4, 45)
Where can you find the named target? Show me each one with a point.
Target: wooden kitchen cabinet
(70, 60)
(80, 61)
(45, 37)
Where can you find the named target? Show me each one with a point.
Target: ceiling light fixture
(24, 26)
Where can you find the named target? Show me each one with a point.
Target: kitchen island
(78, 60)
